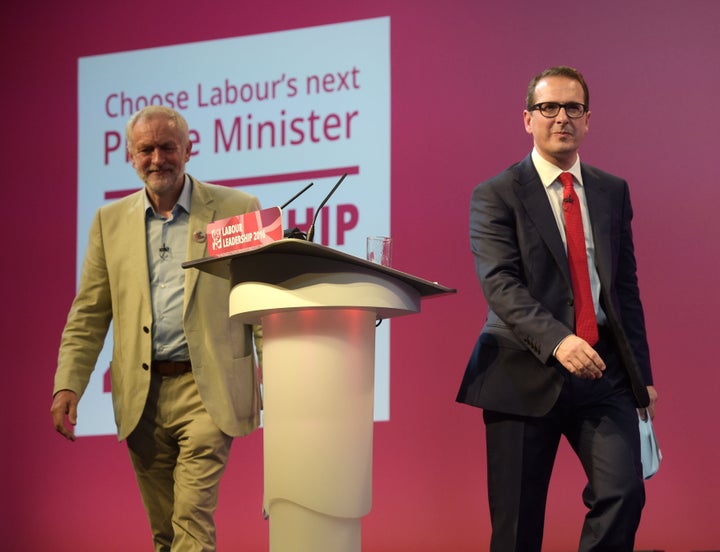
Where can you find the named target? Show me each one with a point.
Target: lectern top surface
(221, 266)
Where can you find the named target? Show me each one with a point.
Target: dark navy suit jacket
(523, 270)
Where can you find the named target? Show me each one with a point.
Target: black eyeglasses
(574, 110)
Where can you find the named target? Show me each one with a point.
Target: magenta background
(459, 72)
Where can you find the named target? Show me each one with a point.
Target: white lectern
(318, 308)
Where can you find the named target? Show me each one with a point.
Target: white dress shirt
(549, 174)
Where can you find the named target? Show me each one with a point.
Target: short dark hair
(558, 71)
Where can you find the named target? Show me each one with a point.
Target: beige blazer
(114, 285)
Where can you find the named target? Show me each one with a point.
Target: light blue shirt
(166, 240)
(549, 174)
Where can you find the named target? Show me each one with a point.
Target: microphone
(164, 250)
(293, 198)
(311, 230)
(567, 199)
(295, 232)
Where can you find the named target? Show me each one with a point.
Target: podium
(318, 308)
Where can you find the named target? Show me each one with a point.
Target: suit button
(145, 366)
(146, 329)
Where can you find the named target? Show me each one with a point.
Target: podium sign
(244, 231)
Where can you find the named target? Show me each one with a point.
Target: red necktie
(585, 320)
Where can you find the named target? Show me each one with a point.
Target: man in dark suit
(539, 369)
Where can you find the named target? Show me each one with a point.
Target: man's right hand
(64, 407)
(579, 358)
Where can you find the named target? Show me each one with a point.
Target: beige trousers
(179, 456)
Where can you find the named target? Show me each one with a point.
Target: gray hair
(157, 111)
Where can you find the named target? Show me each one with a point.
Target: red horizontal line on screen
(262, 179)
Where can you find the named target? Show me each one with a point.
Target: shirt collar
(183, 201)
(549, 172)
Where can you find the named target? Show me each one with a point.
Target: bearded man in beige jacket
(184, 377)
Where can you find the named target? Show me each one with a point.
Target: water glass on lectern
(379, 250)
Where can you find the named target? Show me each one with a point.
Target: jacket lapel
(132, 244)
(599, 210)
(202, 212)
(532, 194)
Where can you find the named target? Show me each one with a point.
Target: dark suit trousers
(599, 420)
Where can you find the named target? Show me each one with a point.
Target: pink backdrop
(459, 72)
